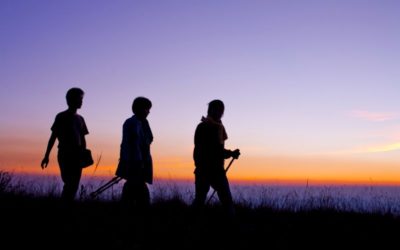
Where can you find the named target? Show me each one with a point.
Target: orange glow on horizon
(273, 170)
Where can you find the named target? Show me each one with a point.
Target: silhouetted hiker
(135, 162)
(209, 156)
(70, 130)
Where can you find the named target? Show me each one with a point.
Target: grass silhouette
(44, 222)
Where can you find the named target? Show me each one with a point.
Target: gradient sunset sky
(311, 88)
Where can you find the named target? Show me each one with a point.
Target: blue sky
(299, 78)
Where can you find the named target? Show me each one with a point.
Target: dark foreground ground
(42, 223)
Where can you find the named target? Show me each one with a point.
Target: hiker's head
(141, 107)
(216, 109)
(74, 98)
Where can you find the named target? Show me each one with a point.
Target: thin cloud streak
(374, 116)
(370, 149)
(384, 148)
(364, 150)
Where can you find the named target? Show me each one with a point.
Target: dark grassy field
(43, 222)
(38, 223)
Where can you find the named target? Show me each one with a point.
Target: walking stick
(226, 170)
(106, 186)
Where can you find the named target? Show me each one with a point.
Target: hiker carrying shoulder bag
(86, 158)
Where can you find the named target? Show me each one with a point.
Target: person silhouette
(70, 129)
(209, 155)
(135, 162)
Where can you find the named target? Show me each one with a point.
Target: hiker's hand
(44, 163)
(236, 153)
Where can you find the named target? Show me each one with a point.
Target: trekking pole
(226, 170)
(106, 186)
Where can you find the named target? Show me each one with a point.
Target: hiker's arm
(229, 153)
(50, 145)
